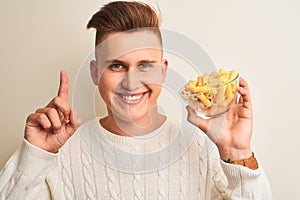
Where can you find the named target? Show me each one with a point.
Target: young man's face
(129, 72)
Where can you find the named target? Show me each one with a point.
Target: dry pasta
(215, 89)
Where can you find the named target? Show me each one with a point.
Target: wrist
(234, 154)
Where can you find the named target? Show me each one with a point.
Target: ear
(94, 71)
(165, 64)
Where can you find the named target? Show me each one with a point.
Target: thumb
(211, 127)
(197, 121)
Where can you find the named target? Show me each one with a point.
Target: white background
(259, 37)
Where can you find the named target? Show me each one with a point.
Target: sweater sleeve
(24, 175)
(239, 182)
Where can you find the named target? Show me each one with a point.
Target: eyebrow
(110, 61)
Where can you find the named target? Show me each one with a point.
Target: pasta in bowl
(212, 93)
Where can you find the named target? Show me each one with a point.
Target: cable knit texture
(97, 164)
(88, 174)
(67, 176)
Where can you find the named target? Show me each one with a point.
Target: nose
(131, 81)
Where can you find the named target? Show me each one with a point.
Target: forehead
(116, 45)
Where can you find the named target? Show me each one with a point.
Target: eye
(116, 67)
(144, 67)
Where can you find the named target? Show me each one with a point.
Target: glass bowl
(213, 98)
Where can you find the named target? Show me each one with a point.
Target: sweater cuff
(34, 161)
(241, 177)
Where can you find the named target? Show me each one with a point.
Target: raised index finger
(63, 86)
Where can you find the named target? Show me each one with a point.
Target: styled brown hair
(119, 16)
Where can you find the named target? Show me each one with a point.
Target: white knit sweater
(97, 164)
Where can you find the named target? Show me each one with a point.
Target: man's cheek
(153, 79)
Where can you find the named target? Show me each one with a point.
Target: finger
(75, 120)
(244, 90)
(243, 82)
(61, 116)
(241, 100)
(245, 98)
(62, 105)
(245, 101)
(244, 94)
(38, 120)
(63, 86)
(53, 116)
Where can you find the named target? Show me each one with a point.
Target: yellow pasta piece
(205, 78)
(200, 89)
(204, 100)
(192, 82)
(185, 94)
(215, 82)
(220, 95)
(225, 77)
(199, 81)
(233, 87)
(212, 90)
(213, 75)
(225, 80)
(225, 74)
(228, 101)
(208, 95)
(194, 97)
(191, 87)
(221, 71)
(228, 91)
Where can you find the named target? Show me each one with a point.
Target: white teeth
(132, 98)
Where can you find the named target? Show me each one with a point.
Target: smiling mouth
(132, 98)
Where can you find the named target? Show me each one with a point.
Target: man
(105, 158)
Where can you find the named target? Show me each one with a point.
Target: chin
(132, 117)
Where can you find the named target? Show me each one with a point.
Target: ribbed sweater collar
(154, 135)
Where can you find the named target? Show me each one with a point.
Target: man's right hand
(49, 128)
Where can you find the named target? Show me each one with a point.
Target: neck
(133, 128)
